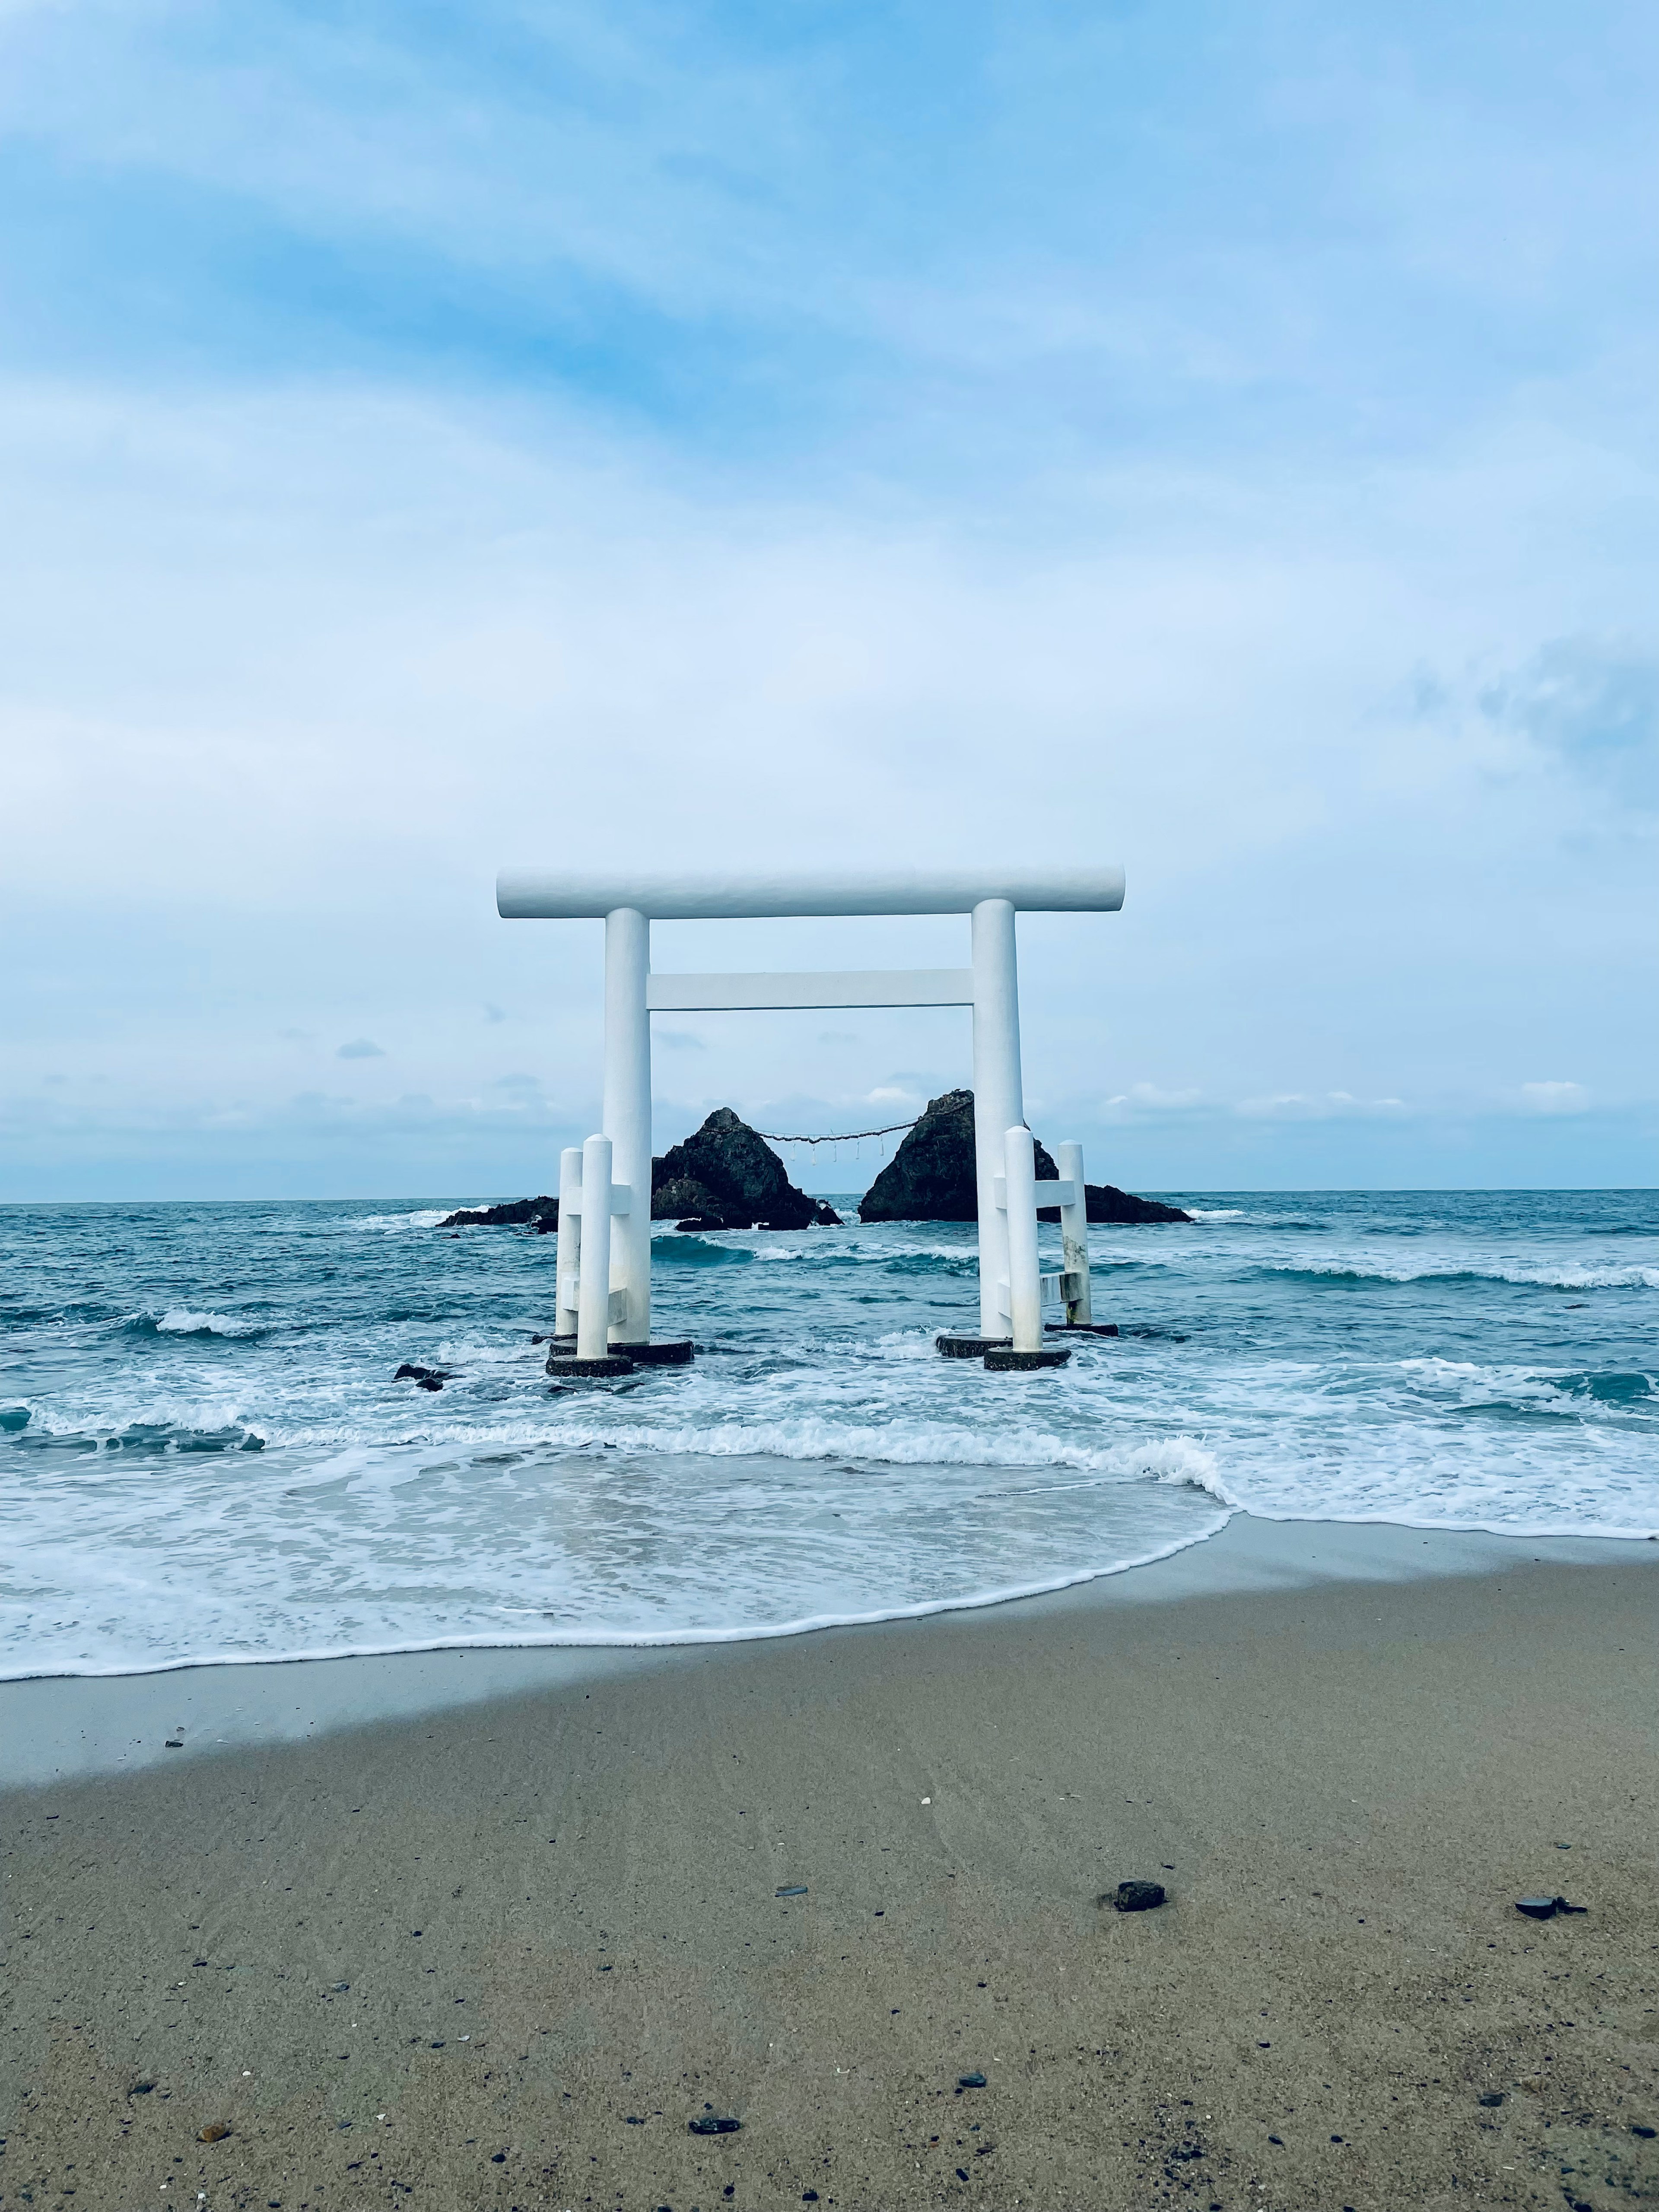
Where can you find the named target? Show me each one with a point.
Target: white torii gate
(609, 1179)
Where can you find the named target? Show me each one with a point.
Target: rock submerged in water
(726, 1176)
(1106, 1202)
(540, 1214)
(423, 1378)
(931, 1176)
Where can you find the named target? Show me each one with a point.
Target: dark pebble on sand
(215, 2133)
(1279, 2140)
(714, 2124)
(799, 1890)
(970, 2080)
(809, 2197)
(173, 1743)
(1137, 1896)
(498, 2158)
(1492, 2097)
(1535, 1908)
(1637, 2130)
(143, 2089)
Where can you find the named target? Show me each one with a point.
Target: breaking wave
(1531, 1275)
(182, 1320)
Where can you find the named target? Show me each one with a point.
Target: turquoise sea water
(202, 1452)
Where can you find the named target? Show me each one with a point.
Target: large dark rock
(931, 1177)
(540, 1213)
(1106, 1202)
(726, 1176)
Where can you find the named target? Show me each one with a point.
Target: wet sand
(498, 1953)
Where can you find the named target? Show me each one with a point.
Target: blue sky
(1219, 439)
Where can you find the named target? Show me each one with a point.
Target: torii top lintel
(555, 895)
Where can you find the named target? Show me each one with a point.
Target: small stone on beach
(1492, 2097)
(1136, 1896)
(970, 2080)
(713, 2124)
(215, 2132)
(797, 1890)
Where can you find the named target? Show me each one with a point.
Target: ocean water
(204, 1454)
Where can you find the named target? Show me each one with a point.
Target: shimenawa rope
(844, 1137)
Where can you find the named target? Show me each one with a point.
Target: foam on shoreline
(59, 1726)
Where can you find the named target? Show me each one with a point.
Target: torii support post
(999, 1102)
(1074, 1238)
(570, 1243)
(627, 1116)
(599, 1197)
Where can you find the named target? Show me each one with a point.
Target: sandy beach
(500, 1952)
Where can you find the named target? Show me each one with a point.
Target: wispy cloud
(1556, 1098)
(1594, 706)
(1149, 1099)
(1319, 1106)
(361, 1049)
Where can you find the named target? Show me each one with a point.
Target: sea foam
(189, 1470)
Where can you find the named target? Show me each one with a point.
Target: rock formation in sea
(931, 1177)
(538, 1213)
(726, 1176)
